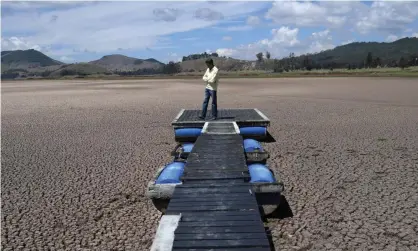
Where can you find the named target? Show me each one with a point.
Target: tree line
(308, 62)
(199, 56)
(170, 68)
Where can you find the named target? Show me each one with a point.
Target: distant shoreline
(411, 72)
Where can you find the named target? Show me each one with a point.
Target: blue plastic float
(187, 132)
(251, 145)
(260, 173)
(253, 131)
(187, 147)
(171, 173)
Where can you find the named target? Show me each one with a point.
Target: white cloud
(208, 14)
(239, 28)
(283, 41)
(15, 43)
(105, 27)
(348, 42)
(226, 52)
(227, 38)
(172, 56)
(390, 17)
(167, 14)
(253, 20)
(415, 34)
(320, 41)
(284, 36)
(66, 59)
(391, 38)
(26, 5)
(306, 14)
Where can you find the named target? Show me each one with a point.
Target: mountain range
(35, 62)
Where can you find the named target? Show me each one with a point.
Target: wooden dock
(215, 207)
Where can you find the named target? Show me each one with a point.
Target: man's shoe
(201, 118)
(213, 118)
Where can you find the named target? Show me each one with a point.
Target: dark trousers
(208, 94)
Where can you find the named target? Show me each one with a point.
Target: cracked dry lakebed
(77, 157)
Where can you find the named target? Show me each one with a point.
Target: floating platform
(250, 123)
(218, 191)
(242, 117)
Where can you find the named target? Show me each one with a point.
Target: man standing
(211, 78)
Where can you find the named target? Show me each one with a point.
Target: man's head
(209, 63)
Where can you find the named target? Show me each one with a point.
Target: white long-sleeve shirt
(211, 78)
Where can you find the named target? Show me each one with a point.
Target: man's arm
(205, 76)
(213, 76)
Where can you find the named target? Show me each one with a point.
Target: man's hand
(213, 76)
(205, 76)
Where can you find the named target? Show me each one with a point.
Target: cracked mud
(77, 156)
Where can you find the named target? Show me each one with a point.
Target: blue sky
(73, 31)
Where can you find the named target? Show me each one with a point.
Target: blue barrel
(253, 131)
(251, 145)
(187, 147)
(260, 173)
(187, 132)
(171, 173)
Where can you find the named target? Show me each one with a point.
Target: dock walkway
(215, 207)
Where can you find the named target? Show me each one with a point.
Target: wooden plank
(208, 182)
(172, 211)
(213, 178)
(232, 183)
(216, 162)
(220, 236)
(220, 190)
(220, 160)
(197, 218)
(228, 115)
(219, 213)
(221, 243)
(165, 233)
(204, 169)
(210, 208)
(211, 196)
(225, 249)
(215, 165)
(196, 194)
(213, 230)
(200, 199)
(214, 175)
(222, 144)
(229, 156)
(221, 223)
(214, 171)
(224, 203)
(219, 154)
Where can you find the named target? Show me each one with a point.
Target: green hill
(79, 69)
(356, 54)
(26, 59)
(118, 62)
